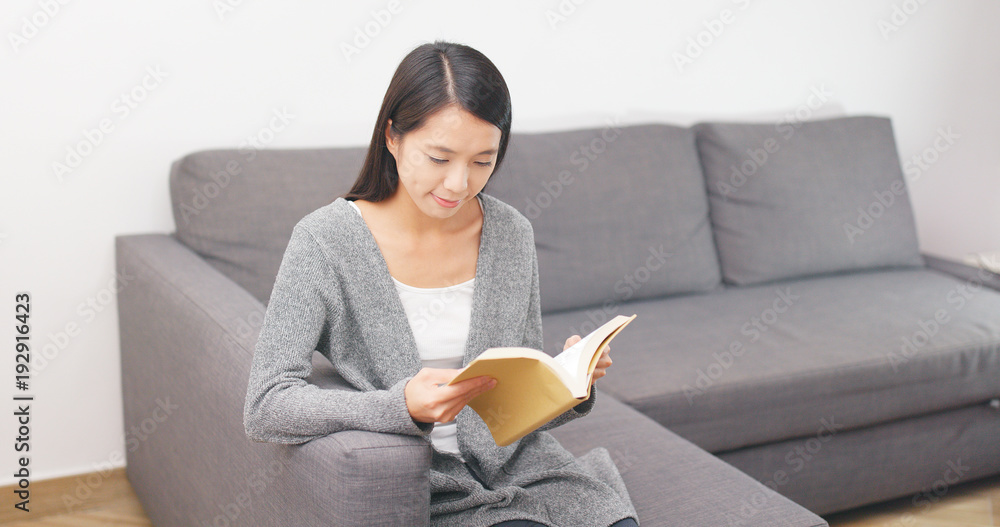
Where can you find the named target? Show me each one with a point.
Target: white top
(439, 318)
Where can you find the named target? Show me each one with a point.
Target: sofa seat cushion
(671, 481)
(752, 365)
(604, 200)
(818, 197)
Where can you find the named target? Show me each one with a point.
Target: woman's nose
(457, 179)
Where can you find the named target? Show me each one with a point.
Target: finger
(477, 392)
(440, 375)
(467, 389)
(451, 413)
(490, 384)
(455, 407)
(481, 383)
(449, 408)
(467, 385)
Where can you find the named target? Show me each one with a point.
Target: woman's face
(446, 162)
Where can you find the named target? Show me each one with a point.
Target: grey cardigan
(333, 293)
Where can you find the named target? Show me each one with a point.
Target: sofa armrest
(962, 271)
(187, 335)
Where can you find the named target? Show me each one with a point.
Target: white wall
(225, 75)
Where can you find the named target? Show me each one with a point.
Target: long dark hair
(430, 77)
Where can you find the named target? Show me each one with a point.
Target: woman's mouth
(446, 203)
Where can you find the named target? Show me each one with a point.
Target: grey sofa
(794, 353)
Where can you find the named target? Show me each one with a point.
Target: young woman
(406, 279)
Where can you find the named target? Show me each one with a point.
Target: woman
(406, 279)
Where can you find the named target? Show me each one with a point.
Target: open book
(532, 387)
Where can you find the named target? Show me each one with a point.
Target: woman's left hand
(603, 363)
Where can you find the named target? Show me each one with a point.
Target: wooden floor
(973, 504)
(107, 499)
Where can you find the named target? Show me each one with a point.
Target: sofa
(794, 354)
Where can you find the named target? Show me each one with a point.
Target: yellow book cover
(532, 387)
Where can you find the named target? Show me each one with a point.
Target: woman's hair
(429, 78)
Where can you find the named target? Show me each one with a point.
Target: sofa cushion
(766, 363)
(237, 208)
(817, 197)
(671, 481)
(619, 212)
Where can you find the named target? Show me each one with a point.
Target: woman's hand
(429, 403)
(603, 363)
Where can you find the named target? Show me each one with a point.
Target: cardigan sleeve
(533, 339)
(281, 406)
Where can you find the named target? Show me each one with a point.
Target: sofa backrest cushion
(619, 213)
(237, 208)
(805, 198)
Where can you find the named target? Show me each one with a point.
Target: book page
(569, 359)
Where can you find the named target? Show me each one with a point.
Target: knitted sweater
(333, 293)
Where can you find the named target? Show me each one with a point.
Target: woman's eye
(438, 161)
(484, 163)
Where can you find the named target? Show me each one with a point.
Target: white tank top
(439, 318)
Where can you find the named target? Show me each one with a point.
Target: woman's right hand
(430, 403)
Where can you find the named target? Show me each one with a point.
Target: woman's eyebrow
(447, 150)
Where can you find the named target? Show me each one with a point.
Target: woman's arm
(281, 406)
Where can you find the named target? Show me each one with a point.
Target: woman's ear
(390, 140)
